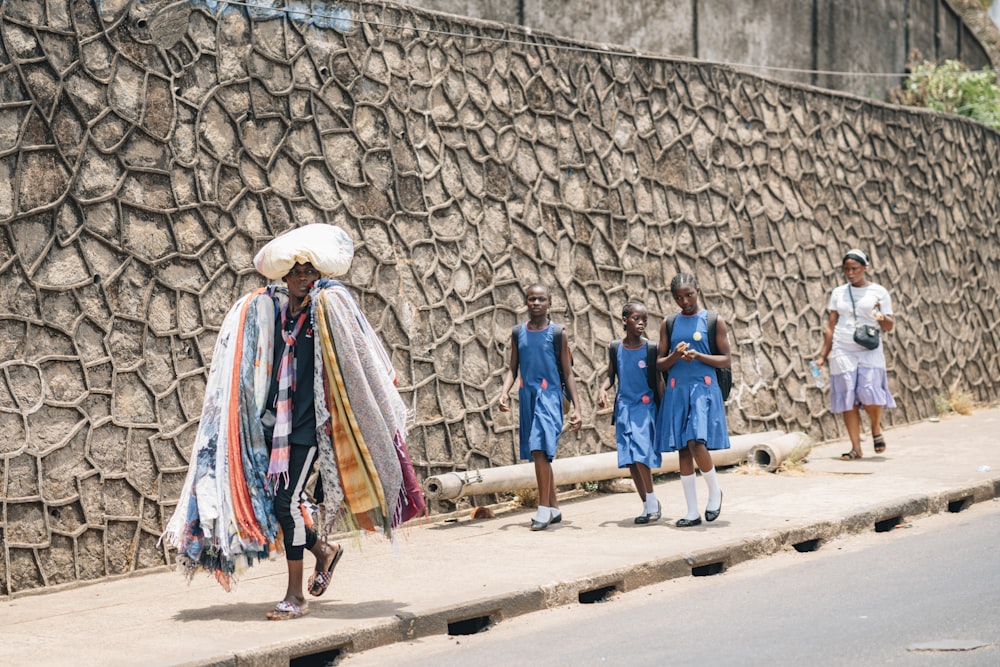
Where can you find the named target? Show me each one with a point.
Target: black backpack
(724, 376)
(557, 338)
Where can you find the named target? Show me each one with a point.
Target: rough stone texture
(149, 149)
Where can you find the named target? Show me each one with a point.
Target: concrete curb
(488, 611)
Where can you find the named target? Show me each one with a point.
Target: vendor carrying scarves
(299, 378)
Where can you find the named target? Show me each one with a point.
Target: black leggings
(297, 536)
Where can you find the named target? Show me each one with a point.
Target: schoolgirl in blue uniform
(636, 405)
(540, 398)
(692, 416)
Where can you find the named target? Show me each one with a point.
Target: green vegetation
(952, 88)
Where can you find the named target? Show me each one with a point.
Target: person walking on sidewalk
(693, 415)
(857, 374)
(298, 378)
(540, 354)
(632, 362)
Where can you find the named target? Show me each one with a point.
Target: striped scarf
(280, 452)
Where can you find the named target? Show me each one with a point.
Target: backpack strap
(515, 336)
(713, 320)
(651, 378)
(557, 339)
(613, 357)
(669, 322)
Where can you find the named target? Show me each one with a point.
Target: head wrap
(328, 248)
(858, 256)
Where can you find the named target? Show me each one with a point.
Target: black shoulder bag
(865, 335)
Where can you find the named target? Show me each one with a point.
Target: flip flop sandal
(850, 456)
(320, 581)
(879, 441)
(285, 610)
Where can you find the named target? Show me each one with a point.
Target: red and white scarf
(278, 467)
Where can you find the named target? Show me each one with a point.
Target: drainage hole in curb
(321, 659)
(596, 595)
(469, 626)
(885, 525)
(708, 569)
(960, 504)
(807, 545)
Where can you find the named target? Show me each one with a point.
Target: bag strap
(613, 359)
(651, 377)
(713, 320)
(854, 310)
(557, 340)
(669, 324)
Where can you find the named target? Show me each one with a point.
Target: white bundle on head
(328, 248)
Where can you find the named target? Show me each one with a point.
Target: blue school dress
(692, 407)
(540, 393)
(635, 410)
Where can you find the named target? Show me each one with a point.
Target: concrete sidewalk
(448, 572)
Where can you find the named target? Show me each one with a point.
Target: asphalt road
(909, 596)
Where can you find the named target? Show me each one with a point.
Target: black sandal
(879, 441)
(850, 456)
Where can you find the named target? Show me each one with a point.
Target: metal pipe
(573, 470)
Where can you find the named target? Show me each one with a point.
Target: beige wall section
(655, 27)
(752, 33)
(147, 151)
(504, 11)
(866, 36)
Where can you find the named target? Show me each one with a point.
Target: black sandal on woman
(850, 456)
(879, 441)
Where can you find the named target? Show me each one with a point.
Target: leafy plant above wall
(951, 87)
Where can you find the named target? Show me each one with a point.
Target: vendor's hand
(820, 361)
(504, 403)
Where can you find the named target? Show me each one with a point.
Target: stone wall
(794, 38)
(148, 150)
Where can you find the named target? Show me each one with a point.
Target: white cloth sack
(327, 247)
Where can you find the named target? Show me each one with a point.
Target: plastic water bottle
(817, 374)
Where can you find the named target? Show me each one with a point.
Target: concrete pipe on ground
(770, 455)
(575, 470)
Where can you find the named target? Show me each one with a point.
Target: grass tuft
(957, 400)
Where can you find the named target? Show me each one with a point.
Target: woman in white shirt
(857, 374)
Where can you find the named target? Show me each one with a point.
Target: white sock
(554, 512)
(691, 496)
(650, 503)
(714, 492)
(543, 514)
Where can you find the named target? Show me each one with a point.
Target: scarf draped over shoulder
(224, 519)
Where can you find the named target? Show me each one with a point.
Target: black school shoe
(650, 518)
(711, 515)
(687, 523)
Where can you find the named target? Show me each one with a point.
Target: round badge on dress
(697, 335)
(642, 363)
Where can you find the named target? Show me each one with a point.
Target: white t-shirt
(846, 353)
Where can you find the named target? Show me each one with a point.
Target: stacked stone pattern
(147, 150)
